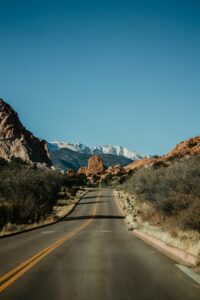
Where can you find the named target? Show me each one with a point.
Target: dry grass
(28, 193)
(60, 210)
(144, 216)
(172, 191)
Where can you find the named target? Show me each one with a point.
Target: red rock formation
(188, 147)
(141, 163)
(95, 166)
(83, 170)
(16, 141)
(117, 170)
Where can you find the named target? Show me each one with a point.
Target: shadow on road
(94, 217)
(93, 197)
(91, 202)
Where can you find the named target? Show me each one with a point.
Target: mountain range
(65, 155)
(18, 142)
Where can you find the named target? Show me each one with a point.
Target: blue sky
(103, 72)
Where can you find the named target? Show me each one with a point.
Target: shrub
(174, 190)
(28, 193)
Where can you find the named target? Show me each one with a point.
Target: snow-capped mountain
(65, 155)
(117, 150)
(78, 147)
(107, 149)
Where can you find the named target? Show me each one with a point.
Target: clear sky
(103, 72)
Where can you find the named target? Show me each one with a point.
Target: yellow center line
(28, 264)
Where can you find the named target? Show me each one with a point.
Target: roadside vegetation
(171, 193)
(163, 200)
(29, 193)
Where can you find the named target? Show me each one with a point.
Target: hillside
(185, 148)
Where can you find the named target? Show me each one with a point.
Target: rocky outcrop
(16, 141)
(116, 170)
(183, 149)
(188, 147)
(83, 170)
(95, 166)
(141, 163)
(96, 171)
(112, 174)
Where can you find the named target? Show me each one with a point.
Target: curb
(51, 223)
(171, 251)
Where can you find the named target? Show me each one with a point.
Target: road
(90, 255)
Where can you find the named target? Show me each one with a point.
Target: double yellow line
(10, 277)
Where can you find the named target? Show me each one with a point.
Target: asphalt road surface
(89, 256)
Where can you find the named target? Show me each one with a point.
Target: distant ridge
(107, 149)
(65, 155)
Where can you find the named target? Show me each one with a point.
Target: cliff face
(16, 141)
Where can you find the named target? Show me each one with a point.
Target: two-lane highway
(90, 255)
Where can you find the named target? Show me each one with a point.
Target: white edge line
(189, 272)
